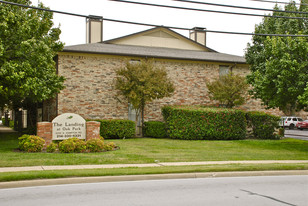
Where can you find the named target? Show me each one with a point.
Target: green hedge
(155, 129)
(11, 122)
(263, 125)
(191, 122)
(117, 128)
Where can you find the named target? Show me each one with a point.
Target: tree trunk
(7, 120)
(136, 120)
(19, 120)
(290, 110)
(142, 119)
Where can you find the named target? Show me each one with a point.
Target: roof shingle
(154, 52)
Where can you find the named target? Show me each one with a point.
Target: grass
(147, 150)
(16, 176)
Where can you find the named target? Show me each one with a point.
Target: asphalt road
(297, 134)
(263, 190)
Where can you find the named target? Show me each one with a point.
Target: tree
(141, 83)
(28, 45)
(279, 65)
(304, 98)
(229, 90)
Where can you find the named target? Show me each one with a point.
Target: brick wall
(44, 130)
(89, 89)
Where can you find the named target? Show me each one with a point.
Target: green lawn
(51, 174)
(147, 150)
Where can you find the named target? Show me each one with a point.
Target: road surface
(252, 191)
(297, 134)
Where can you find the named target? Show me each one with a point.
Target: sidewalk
(4, 129)
(158, 164)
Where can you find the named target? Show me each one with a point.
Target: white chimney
(94, 29)
(198, 34)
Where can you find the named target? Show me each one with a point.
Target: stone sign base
(44, 130)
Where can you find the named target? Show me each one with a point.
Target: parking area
(297, 134)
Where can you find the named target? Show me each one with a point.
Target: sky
(74, 28)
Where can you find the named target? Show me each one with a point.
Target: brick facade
(89, 92)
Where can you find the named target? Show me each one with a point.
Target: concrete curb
(80, 180)
(158, 164)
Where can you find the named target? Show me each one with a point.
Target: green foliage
(263, 125)
(184, 122)
(109, 146)
(279, 64)
(155, 129)
(229, 90)
(95, 145)
(117, 128)
(52, 147)
(28, 45)
(141, 83)
(31, 143)
(11, 124)
(72, 145)
(304, 98)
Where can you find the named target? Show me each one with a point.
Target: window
(223, 70)
(132, 114)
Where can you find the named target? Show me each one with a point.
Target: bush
(117, 128)
(11, 124)
(72, 145)
(52, 147)
(155, 129)
(263, 125)
(95, 145)
(192, 122)
(31, 143)
(109, 146)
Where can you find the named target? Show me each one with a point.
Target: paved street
(265, 190)
(297, 134)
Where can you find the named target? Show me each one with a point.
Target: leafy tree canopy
(279, 65)
(229, 90)
(28, 44)
(142, 82)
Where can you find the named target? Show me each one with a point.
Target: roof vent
(94, 29)
(198, 34)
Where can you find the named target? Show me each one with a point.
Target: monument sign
(68, 125)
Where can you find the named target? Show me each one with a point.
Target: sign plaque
(68, 125)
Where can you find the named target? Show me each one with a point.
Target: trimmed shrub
(11, 124)
(109, 146)
(52, 147)
(192, 123)
(31, 143)
(117, 128)
(95, 145)
(72, 145)
(263, 125)
(155, 129)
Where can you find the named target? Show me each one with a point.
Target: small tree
(141, 83)
(229, 90)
